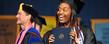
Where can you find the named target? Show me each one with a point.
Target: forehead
(22, 12)
(62, 5)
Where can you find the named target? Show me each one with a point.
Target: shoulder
(89, 35)
(33, 35)
(48, 33)
(32, 32)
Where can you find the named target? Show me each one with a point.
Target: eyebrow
(63, 8)
(19, 13)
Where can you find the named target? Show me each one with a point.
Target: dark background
(91, 9)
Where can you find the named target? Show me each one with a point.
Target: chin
(62, 21)
(18, 22)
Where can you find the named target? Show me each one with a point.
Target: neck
(38, 27)
(67, 24)
(27, 25)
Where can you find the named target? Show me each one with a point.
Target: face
(21, 17)
(64, 13)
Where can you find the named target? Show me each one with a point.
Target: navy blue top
(32, 37)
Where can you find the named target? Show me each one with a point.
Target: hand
(77, 40)
(73, 34)
(51, 38)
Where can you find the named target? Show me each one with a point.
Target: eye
(59, 9)
(19, 13)
(65, 9)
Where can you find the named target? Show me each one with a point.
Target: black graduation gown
(89, 37)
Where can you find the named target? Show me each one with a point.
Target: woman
(65, 18)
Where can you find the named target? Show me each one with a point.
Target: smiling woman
(64, 13)
(66, 20)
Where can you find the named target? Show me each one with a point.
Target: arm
(46, 36)
(89, 37)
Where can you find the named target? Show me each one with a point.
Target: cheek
(57, 13)
(22, 17)
(68, 15)
(67, 18)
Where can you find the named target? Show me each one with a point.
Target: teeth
(61, 16)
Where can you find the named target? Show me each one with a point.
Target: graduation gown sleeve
(46, 36)
(89, 37)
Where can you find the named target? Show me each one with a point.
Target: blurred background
(95, 14)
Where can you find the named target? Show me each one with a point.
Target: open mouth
(61, 17)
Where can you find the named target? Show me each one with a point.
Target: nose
(60, 12)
